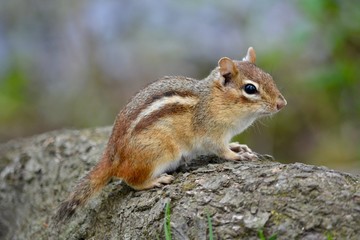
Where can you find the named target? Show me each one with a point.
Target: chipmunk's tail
(90, 184)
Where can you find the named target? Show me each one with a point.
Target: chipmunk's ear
(227, 69)
(250, 55)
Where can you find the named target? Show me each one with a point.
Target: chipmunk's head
(247, 86)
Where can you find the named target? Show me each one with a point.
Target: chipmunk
(178, 118)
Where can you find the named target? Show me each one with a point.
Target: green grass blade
(329, 236)
(211, 235)
(273, 237)
(167, 222)
(261, 234)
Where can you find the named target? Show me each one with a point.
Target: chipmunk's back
(165, 87)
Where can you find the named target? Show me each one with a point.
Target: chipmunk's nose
(280, 102)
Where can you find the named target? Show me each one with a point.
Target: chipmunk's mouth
(262, 114)
(267, 111)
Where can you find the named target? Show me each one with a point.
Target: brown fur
(169, 110)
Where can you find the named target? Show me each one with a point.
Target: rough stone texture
(293, 201)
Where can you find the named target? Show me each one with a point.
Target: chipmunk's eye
(250, 89)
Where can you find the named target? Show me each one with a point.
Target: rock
(293, 201)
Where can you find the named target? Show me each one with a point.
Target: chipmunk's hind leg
(155, 182)
(143, 176)
(148, 162)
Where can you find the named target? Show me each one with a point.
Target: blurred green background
(74, 64)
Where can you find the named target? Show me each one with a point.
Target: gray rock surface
(293, 201)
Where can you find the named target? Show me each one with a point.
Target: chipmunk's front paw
(239, 148)
(246, 155)
(242, 151)
(238, 156)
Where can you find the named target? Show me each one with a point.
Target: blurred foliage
(12, 94)
(76, 66)
(338, 78)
